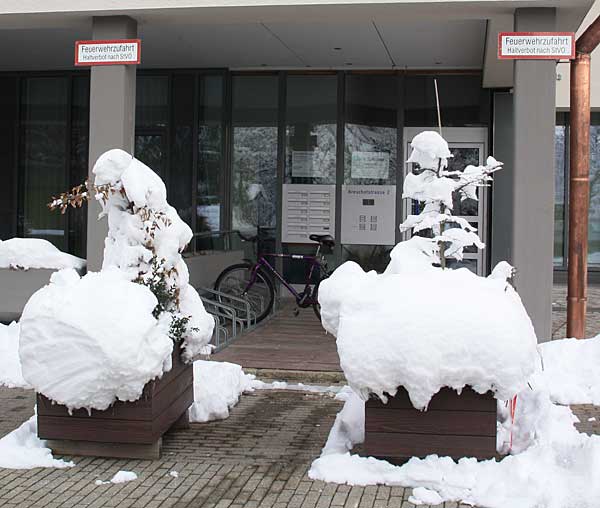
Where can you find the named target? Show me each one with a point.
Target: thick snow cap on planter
(424, 328)
(86, 342)
(27, 253)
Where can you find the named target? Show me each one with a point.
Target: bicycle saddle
(326, 240)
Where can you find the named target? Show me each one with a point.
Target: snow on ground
(22, 449)
(26, 253)
(10, 366)
(572, 370)
(217, 388)
(219, 385)
(551, 464)
(391, 331)
(120, 477)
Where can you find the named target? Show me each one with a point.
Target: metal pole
(579, 192)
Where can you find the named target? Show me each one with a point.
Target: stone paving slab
(257, 458)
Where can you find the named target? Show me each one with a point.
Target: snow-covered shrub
(86, 341)
(420, 325)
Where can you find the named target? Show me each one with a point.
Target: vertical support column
(533, 174)
(112, 119)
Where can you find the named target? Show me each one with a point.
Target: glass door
(469, 147)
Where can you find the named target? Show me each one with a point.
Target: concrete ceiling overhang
(386, 34)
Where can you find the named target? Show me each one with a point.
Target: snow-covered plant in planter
(89, 341)
(419, 326)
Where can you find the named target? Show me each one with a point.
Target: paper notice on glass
(369, 214)
(371, 165)
(303, 163)
(307, 209)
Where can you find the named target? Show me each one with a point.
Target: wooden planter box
(454, 425)
(125, 429)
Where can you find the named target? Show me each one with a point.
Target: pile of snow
(10, 365)
(22, 449)
(26, 253)
(401, 328)
(552, 465)
(120, 477)
(217, 388)
(88, 341)
(572, 370)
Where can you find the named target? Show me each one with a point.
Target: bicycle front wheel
(235, 281)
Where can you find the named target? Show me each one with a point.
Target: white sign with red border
(536, 45)
(108, 52)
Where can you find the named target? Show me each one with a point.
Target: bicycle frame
(263, 263)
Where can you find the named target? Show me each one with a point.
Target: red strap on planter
(513, 409)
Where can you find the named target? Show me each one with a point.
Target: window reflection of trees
(254, 178)
(367, 138)
(322, 142)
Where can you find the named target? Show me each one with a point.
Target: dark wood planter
(125, 429)
(454, 425)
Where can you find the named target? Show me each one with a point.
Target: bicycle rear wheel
(261, 295)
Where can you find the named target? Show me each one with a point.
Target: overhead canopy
(420, 34)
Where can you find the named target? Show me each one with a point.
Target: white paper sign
(371, 165)
(307, 209)
(302, 163)
(369, 214)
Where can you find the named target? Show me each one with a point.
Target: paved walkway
(257, 458)
(285, 343)
(559, 311)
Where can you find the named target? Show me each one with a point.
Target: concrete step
(324, 378)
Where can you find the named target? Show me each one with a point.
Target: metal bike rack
(233, 315)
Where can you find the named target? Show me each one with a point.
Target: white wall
(563, 69)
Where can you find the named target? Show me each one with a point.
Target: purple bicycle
(255, 281)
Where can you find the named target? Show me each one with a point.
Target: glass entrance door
(468, 146)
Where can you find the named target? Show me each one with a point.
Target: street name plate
(536, 45)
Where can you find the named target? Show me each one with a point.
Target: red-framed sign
(536, 45)
(108, 52)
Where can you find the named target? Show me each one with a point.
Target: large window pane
(8, 121)
(254, 185)
(151, 101)
(182, 146)
(151, 122)
(80, 114)
(594, 214)
(210, 154)
(559, 194)
(463, 102)
(311, 114)
(370, 131)
(43, 156)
